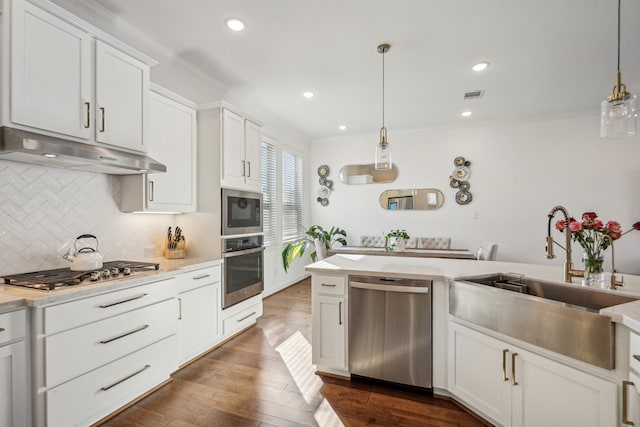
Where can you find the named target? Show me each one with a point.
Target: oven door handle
(245, 252)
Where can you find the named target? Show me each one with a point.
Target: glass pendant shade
(383, 152)
(619, 117)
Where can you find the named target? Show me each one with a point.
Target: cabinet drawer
(74, 352)
(13, 326)
(241, 320)
(197, 278)
(75, 313)
(334, 285)
(634, 351)
(91, 397)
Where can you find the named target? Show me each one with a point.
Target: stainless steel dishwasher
(390, 330)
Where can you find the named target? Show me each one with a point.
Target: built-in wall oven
(243, 268)
(241, 212)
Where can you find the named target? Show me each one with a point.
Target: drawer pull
(513, 369)
(637, 357)
(179, 308)
(2, 329)
(246, 317)
(108, 340)
(340, 313)
(625, 397)
(123, 301)
(139, 371)
(202, 276)
(328, 285)
(102, 123)
(504, 365)
(87, 125)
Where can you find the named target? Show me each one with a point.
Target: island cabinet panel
(329, 334)
(514, 387)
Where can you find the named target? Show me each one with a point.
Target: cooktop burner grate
(64, 277)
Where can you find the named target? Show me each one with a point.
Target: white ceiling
(547, 57)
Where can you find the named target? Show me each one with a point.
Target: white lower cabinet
(329, 333)
(240, 316)
(14, 390)
(199, 315)
(514, 387)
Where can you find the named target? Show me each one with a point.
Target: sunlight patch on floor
(296, 354)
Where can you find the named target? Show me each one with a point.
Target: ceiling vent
(473, 94)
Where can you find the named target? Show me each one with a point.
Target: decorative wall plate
(459, 161)
(329, 184)
(324, 192)
(465, 186)
(461, 173)
(323, 171)
(322, 181)
(454, 183)
(463, 197)
(324, 201)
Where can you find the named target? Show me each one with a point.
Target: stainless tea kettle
(86, 258)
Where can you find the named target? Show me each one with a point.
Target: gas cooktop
(62, 278)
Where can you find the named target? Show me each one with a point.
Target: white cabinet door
(13, 383)
(122, 98)
(478, 372)
(199, 320)
(50, 73)
(328, 334)
(172, 141)
(553, 395)
(233, 162)
(253, 155)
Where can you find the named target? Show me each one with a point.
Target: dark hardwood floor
(264, 378)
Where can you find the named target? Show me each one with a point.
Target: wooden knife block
(179, 251)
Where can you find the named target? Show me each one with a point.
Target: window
(269, 178)
(292, 227)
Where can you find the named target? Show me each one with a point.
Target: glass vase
(593, 269)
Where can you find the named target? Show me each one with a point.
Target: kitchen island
(408, 252)
(505, 380)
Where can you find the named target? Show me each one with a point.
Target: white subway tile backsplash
(43, 210)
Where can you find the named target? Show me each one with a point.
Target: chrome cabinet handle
(102, 121)
(249, 167)
(123, 301)
(244, 168)
(151, 191)
(504, 365)
(513, 369)
(88, 122)
(203, 276)
(245, 317)
(625, 398)
(139, 371)
(328, 285)
(179, 308)
(340, 313)
(126, 334)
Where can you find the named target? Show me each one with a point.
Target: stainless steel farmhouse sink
(561, 318)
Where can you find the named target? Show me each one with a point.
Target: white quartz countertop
(14, 296)
(443, 269)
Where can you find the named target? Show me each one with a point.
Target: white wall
(519, 171)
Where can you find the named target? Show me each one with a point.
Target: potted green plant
(396, 240)
(315, 235)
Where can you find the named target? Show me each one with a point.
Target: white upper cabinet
(172, 142)
(241, 152)
(50, 73)
(64, 80)
(122, 98)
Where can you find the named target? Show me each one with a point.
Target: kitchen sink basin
(561, 318)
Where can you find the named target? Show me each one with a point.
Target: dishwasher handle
(391, 288)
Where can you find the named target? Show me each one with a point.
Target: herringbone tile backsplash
(43, 210)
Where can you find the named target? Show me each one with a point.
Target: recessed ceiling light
(308, 94)
(480, 66)
(235, 24)
(49, 155)
(466, 113)
(342, 127)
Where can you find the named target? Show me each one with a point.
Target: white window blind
(292, 227)
(269, 179)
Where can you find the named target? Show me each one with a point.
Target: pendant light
(619, 112)
(383, 151)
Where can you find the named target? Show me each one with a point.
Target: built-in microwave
(241, 212)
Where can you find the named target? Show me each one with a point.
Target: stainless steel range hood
(28, 147)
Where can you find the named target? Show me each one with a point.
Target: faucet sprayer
(569, 272)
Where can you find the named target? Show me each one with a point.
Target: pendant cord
(618, 35)
(383, 87)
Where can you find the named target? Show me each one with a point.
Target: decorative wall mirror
(367, 174)
(421, 199)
